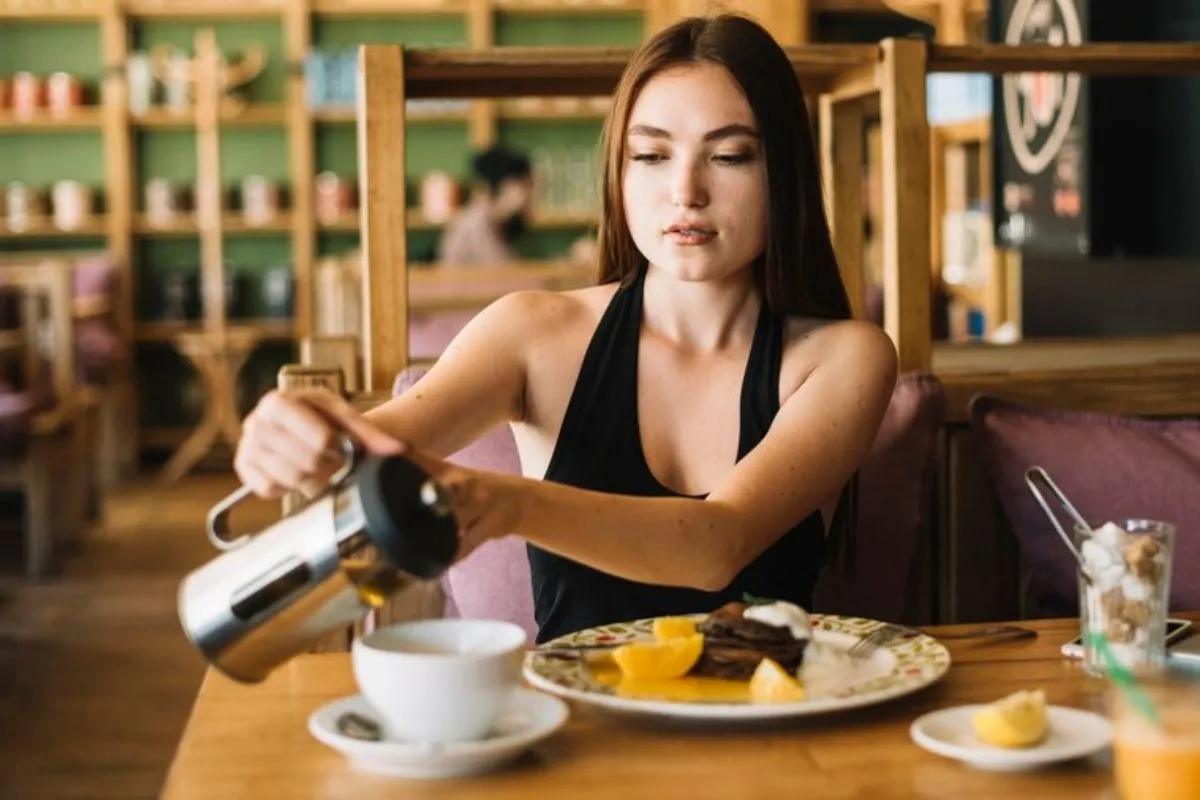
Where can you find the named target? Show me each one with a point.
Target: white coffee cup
(439, 680)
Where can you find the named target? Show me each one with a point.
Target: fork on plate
(889, 632)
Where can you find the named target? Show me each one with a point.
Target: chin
(698, 268)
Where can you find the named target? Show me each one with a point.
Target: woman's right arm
(289, 440)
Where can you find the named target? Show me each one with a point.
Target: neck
(701, 316)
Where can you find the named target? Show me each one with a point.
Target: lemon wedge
(659, 660)
(771, 683)
(1018, 720)
(668, 628)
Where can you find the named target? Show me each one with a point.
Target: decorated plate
(834, 682)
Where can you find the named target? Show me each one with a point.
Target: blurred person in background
(495, 215)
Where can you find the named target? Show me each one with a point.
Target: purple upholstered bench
(1111, 467)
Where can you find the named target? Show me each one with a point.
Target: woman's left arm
(819, 438)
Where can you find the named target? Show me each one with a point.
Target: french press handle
(217, 524)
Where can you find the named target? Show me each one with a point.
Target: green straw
(1123, 678)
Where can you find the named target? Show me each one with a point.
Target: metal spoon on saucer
(356, 726)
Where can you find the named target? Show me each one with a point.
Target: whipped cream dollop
(781, 614)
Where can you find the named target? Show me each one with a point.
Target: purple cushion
(430, 334)
(1111, 467)
(17, 409)
(99, 352)
(94, 276)
(895, 492)
(494, 581)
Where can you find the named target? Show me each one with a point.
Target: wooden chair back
(45, 341)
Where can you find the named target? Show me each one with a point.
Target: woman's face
(695, 183)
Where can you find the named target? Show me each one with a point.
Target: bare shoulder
(857, 349)
(532, 315)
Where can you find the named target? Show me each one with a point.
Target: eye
(648, 158)
(734, 158)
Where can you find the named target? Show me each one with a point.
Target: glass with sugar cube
(1124, 589)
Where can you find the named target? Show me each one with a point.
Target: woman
(688, 429)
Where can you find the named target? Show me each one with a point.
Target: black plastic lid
(415, 533)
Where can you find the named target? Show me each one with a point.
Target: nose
(688, 185)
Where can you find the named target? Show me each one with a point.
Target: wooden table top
(252, 741)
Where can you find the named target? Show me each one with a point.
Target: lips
(692, 229)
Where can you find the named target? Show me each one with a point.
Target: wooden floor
(96, 676)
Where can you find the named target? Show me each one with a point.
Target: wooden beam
(855, 83)
(841, 133)
(297, 40)
(382, 219)
(1085, 59)
(906, 252)
(575, 71)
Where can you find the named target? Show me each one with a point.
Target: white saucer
(531, 717)
(1073, 734)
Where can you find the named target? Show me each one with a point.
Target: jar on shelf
(439, 196)
(139, 80)
(316, 80)
(28, 94)
(334, 197)
(278, 291)
(164, 202)
(64, 94)
(180, 291)
(72, 202)
(235, 292)
(24, 206)
(260, 200)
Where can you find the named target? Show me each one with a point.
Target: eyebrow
(724, 132)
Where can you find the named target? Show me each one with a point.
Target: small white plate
(530, 717)
(1072, 734)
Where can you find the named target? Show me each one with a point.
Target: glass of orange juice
(1158, 763)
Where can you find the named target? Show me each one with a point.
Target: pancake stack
(734, 645)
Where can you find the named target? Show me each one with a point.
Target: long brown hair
(797, 273)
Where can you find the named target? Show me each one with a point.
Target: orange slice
(659, 660)
(771, 683)
(668, 628)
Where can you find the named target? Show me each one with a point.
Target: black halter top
(600, 448)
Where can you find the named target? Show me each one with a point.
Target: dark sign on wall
(1040, 135)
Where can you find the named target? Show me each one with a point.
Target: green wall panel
(254, 152)
(531, 30)
(164, 154)
(172, 154)
(40, 159)
(54, 244)
(428, 146)
(233, 38)
(528, 136)
(414, 31)
(43, 48)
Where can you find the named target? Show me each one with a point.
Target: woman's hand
(487, 505)
(290, 441)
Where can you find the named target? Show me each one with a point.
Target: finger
(373, 438)
(286, 415)
(258, 481)
(268, 435)
(461, 487)
(288, 474)
(470, 539)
